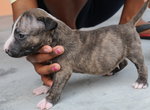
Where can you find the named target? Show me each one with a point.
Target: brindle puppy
(97, 51)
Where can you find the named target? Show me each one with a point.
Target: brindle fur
(97, 51)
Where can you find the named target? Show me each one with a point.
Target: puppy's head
(30, 32)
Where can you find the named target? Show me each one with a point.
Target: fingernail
(54, 68)
(50, 83)
(46, 50)
(58, 51)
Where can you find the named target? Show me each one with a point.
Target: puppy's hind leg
(135, 55)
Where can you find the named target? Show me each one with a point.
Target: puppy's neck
(64, 35)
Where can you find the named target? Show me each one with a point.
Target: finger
(39, 58)
(58, 50)
(46, 69)
(47, 81)
(45, 49)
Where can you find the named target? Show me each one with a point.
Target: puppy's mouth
(17, 55)
(23, 52)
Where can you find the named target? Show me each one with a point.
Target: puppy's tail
(135, 19)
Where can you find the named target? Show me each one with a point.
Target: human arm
(20, 6)
(131, 7)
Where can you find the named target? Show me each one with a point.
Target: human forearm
(131, 7)
(21, 6)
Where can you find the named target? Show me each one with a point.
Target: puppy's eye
(21, 36)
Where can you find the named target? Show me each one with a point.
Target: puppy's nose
(11, 53)
(8, 51)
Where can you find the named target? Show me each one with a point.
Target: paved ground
(83, 92)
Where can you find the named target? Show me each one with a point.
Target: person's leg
(131, 7)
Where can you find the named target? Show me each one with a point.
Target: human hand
(46, 53)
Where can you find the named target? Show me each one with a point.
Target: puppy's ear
(48, 22)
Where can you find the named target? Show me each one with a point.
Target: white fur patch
(41, 90)
(137, 85)
(44, 105)
(11, 38)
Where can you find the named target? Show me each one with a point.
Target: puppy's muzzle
(16, 54)
(11, 53)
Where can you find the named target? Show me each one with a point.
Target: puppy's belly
(92, 70)
(97, 67)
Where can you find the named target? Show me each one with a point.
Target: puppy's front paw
(138, 85)
(41, 90)
(44, 105)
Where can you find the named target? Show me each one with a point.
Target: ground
(83, 92)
